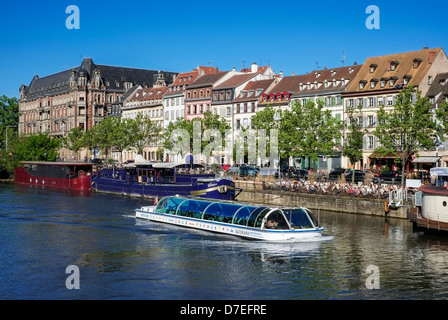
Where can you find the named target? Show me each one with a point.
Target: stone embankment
(253, 192)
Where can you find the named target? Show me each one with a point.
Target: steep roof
(148, 94)
(112, 77)
(439, 87)
(207, 79)
(236, 80)
(383, 67)
(253, 90)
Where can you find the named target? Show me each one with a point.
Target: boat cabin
(238, 213)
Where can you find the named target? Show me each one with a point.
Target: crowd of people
(371, 190)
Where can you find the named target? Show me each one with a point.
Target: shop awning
(426, 160)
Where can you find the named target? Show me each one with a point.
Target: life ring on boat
(222, 189)
(81, 173)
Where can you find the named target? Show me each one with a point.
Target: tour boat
(61, 175)
(157, 180)
(430, 209)
(233, 218)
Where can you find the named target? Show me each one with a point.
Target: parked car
(375, 173)
(389, 177)
(336, 174)
(248, 171)
(97, 161)
(360, 175)
(299, 174)
(243, 171)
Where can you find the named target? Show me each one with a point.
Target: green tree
(210, 121)
(267, 120)
(75, 139)
(442, 120)
(9, 119)
(353, 143)
(40, 147)
(143, 132)
(309, 131)
(407, 128)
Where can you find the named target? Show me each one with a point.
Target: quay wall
(252, 192)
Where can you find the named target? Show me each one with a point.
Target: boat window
(171, 205)
(254, 215)
(192, 208)
(298, 218)
(312, 217)
(221, 212)
(161, 203)
(260, 218)
(276, 220)
(242, 216)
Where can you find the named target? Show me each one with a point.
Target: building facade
(78, 97)
(147, 102)
(378, 83)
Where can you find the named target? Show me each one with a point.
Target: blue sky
(178, 36)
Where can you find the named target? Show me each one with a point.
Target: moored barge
(237, 219)
(157, 180)
(60, 175)
(430, 209)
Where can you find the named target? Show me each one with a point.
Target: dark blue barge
(159, 180)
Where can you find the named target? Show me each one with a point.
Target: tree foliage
(307, 130)
(407, 128)
(353, 142)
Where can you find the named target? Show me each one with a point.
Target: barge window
(221, 212)
(298, 218)
(276, 220)
(242, 215)
(192, 208)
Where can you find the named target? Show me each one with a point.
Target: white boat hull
(294, 235)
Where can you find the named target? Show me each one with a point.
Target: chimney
(425, 48)
(355, 63)
(293, 74)
(254, 67)
(281, 74)
(431, 56)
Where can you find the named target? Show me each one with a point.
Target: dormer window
(392, 81)
(406, 79)
(417, 62)
(373, 67)
(362, 84)
(326, 84)
(317, 75)
(301, 87)
(393, 65)
(373, 83)
(351, 70)
(383, 82)
(333, 73)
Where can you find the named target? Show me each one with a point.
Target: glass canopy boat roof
(238, 214)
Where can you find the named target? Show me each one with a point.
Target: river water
(43, 231)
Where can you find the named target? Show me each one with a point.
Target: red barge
(60, 175)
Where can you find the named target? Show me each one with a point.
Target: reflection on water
(44, 231)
